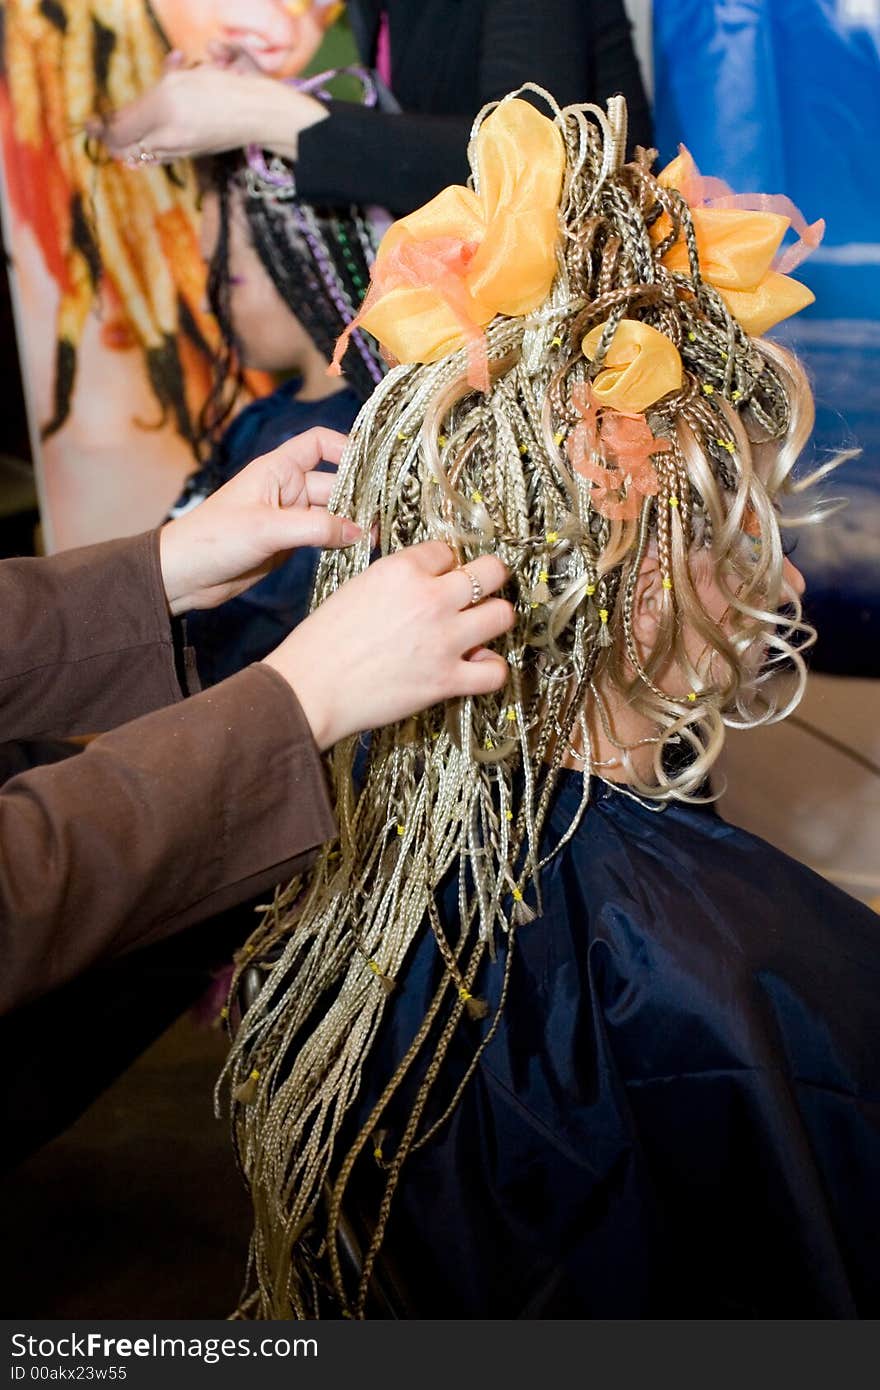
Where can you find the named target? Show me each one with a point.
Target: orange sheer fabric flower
(625, 445)
(738, 238)
(640, 365)
(443, 272)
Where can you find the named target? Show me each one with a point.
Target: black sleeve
(617, 69)
(367, 156)
(577, 51)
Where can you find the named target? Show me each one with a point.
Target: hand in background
(399, 637)
(207, 109)
(242, 531)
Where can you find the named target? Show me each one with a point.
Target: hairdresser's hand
(207, 109)
(240, 533)
(396, 639)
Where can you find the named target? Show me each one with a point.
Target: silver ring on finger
(476, 586)
(141, 156)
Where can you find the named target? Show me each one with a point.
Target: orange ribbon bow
(738, 237)
(443, 272)
(640, 365)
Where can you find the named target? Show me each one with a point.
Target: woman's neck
(315, 384)
(622, 724)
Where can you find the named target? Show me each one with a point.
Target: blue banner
(783, 96)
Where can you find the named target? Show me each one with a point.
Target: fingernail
(350, 532)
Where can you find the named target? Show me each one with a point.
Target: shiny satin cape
(680, 1112)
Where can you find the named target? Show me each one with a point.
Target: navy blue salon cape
(679, 1113)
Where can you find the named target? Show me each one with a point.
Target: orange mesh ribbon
(626, 445)
(440, 265)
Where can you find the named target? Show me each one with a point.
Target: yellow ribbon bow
(737, 247)
(443, 272)
(640, 366)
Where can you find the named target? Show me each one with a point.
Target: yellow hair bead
(692, 337)
(442, 440)
(464, 994)
(552, 537)
(245, 1093)
(603, 615)
(557, 341)
(524, 448)
(735, 395)
(544, 576)
(673, 501)
(373, 965)
(488, 745)
(692, 695)
(726, 444)
(708, 389)
(377, 1154)
(224, 1012)
(511, 715)
(401, 435)
(401, 830)
(517, 895)
(591, 588)
(558, 437)
(476, 497)
(667, 582)
(508, 814)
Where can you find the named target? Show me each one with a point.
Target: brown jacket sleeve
(85, 639)
(156, 825)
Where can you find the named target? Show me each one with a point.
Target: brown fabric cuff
(87, 639)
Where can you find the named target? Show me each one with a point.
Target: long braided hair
(461, 793)
(318, 259)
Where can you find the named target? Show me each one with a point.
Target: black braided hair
(318, 259)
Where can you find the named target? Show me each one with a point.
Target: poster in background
(107, 280)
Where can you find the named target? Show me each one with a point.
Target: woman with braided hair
(540, 1035)
(285, 280)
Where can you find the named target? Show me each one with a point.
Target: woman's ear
(647, 604)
